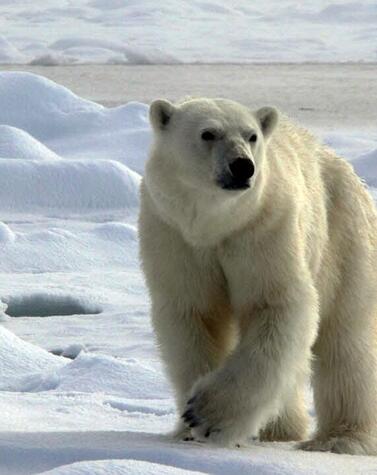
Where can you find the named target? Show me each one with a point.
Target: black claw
(187, 414)
(190, 418)
(188, 439)
(191, 400)
(208, 433)
(238, 446)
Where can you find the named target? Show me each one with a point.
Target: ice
(144, 32)
(82, 389)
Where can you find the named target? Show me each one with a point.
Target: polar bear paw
(213, 415)
(353, 444)
(181, 433)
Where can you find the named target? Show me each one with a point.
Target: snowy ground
(69, 176)
(173, 31)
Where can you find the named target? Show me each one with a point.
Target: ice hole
(48, 305)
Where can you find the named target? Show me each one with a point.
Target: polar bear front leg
(190, 315)
(190, 348)
(235, 401)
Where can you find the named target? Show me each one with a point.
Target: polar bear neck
(205, 223)
(204, 219)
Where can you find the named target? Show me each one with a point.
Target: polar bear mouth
(235, 186)
(228, 182)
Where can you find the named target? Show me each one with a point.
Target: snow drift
(16, 143)
(100, 374)
(43, 122)
(69, 126)
(19, 358)
(74, 186)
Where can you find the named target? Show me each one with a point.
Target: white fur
(245, 283)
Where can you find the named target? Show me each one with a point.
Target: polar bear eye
(253, 138)
(208, 136)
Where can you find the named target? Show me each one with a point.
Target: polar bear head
(217, 143)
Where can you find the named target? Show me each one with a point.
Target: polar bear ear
(268, 118)
(160, 113)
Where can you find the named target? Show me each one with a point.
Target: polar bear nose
(242, 168)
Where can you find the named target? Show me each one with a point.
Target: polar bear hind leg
(345, 387)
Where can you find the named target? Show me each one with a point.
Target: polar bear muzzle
(237, 177)
(242, 169)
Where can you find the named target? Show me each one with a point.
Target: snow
(82, 389)
(16, 143)
(127, 467)
(365, 165)
(74, 185)
(76, 128)
(19, 358)
(144, 32)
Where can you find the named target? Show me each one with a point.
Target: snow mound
(351, 144)
(73, 186)
(52, 59)
(55, 249)
(40, 106)
(75, 42)
(90, 373)
(71, 351)
(6, 234)
(19, 358)
(3, 308)
(118, 467)
(16, 143)
(69, 126)
(366, 167)
(112, 231)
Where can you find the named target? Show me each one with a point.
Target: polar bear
(259, 247)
